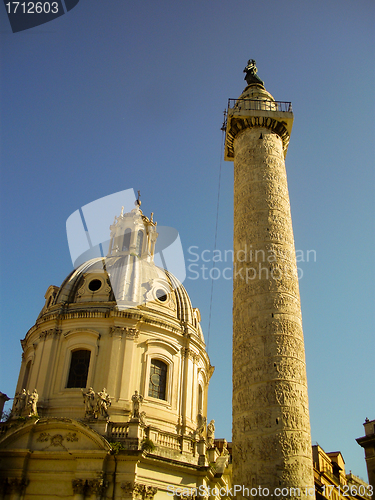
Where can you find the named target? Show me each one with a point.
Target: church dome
(120, 325)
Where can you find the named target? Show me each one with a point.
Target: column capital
(138, 491)
(124, 331)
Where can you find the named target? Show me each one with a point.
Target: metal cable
(215, 244)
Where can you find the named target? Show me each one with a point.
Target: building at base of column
(368, 444)
(331, 480)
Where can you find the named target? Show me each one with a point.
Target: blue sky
(117, 95)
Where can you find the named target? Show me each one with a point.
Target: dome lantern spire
(133, 233)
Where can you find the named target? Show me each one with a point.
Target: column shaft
(271, 429)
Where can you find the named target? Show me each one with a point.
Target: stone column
(271, 429)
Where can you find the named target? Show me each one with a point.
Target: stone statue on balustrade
(32, 400)
(137, 400)
(198, 434)
(103, 403)
(89, 401)
(225, 451)
(20, 401)
(211, 434)
(136, 414)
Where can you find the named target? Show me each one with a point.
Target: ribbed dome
(127, 282)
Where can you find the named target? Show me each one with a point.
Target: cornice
(78, 312)
(239, 120)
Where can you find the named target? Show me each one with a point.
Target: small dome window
(161, 295)
(95, 285)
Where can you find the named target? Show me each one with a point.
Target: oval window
(161, 295)
(155, 379)
(95, 285)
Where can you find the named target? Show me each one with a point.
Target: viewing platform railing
(259, 104)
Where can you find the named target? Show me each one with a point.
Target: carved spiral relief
(271, 430)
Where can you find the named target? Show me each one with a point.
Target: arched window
(126, 240)
(27, 375)
(139, 243)
(79, 368)
(158, 379)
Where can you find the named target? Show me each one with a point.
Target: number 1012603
(32, 8)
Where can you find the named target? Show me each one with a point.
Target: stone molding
(238, 124)
(106, 311)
